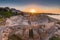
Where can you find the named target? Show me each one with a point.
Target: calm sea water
(55, 16)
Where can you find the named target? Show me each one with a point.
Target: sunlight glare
(32, 10)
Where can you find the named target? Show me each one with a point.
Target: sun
(33, 11)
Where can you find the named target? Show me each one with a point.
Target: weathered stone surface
(42, 27)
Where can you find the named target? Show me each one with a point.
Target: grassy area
(54, 38)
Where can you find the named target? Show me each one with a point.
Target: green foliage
(5, 14)
(54, 38)
(14, 37)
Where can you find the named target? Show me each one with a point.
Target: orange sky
(42, 10)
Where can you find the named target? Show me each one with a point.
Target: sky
(44, 5)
